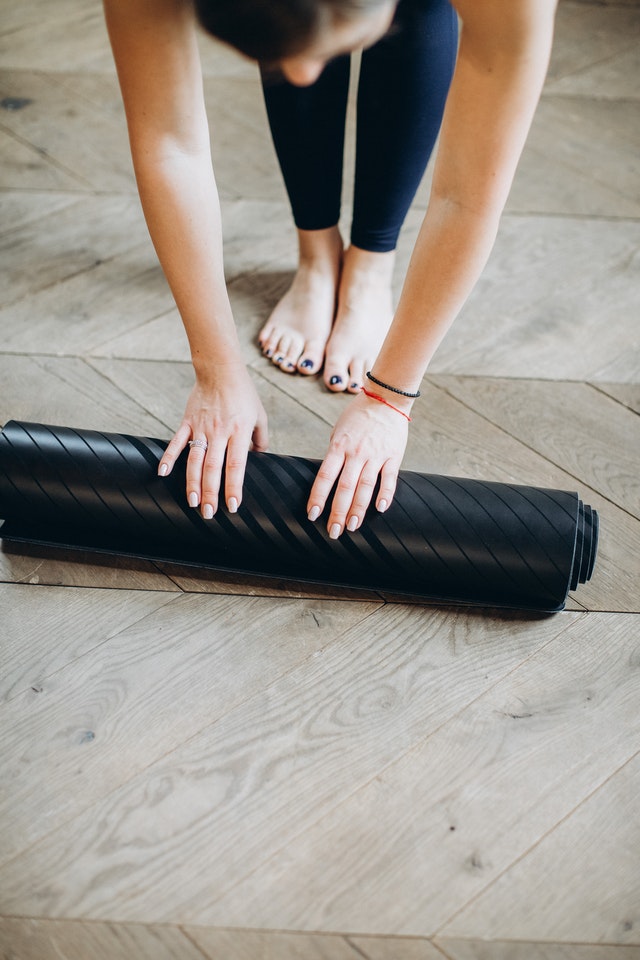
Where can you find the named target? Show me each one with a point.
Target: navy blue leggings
(402, 89)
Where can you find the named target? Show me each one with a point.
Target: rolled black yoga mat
(443, 539)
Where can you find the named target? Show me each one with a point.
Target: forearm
(451, 251)
(182, 210)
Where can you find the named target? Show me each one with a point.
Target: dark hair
(268, 30)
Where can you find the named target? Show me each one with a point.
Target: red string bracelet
(376, 396)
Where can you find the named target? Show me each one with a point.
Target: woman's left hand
(367, 442)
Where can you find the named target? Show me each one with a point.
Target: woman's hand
(225, 412)
(367, 442)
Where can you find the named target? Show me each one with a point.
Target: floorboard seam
(533, 846)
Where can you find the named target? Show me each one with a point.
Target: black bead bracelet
(380, 383)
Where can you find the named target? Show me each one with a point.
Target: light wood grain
(513, 950)
(43, 631)
(146, 688)
(573, 425)
(33, 939)
(314, 814)
(430, 832)
(593, 858)
(251, 944)
(257, 778)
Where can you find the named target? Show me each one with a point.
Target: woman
(502, 60)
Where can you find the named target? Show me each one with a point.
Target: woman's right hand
(225, 412)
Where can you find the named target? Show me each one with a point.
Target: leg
(307, 126)
(404, 81)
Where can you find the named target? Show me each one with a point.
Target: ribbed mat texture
(444, 539)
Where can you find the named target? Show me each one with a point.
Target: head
(298, 36)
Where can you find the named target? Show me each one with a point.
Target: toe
(311, 357)
(336, 377)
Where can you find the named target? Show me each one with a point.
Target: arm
(154, 45)
(502, 61)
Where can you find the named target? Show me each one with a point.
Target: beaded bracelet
(376, 396)
(380, 383)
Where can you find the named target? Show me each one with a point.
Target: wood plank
(150, 683)
(557, 300)
(626, 393)
(23, 167)
(89, 308)
(575, 426)
(46, 629)
(67, 391)
(89, 142)
(514, 950)
(593, 858)
(433, 830)
(255, 778)
(34, 939)
(66, 242)
(392, 948)
(20, 208)
(216, 944)
(41, 566)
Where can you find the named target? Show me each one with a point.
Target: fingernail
(307, 364)
(193, 499)
(335, 380)
(207, 511)
(164, 469)
(232, 504)
(352, 524)
(334, 532)
(314, 513)
(382, 505)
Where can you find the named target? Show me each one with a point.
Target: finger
(343, 498)
(362, 497)
(195, 463)
(234, 471)
(209, 477)
(388, 482)
(326, 477)
(174, 449)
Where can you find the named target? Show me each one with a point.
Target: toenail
(279, 359)
(335, 380)
(268, 353)
(354, 386)
(307, 364)
(289, 365)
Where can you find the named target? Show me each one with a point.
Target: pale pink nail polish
(382, 505)
(314, 513)
(352, 524)
(232, 505)
(193, 499)
(164, 469)
(207, 511)
(334, 532)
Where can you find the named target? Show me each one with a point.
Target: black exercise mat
(444, 539)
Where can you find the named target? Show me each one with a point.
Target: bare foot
(295, 335)
(365, 312)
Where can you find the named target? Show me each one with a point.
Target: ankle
(320, 249)
(368, 265)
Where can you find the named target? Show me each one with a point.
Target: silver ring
(199, 443)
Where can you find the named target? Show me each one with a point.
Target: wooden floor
(195, 766)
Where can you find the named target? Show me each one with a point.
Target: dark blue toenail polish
(335, 380)
(307, 364)
(269, 353)
(279, 359)
(354, 386)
